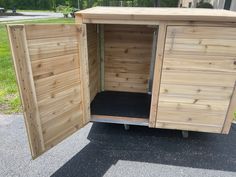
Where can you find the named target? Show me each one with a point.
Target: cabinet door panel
(52, 73)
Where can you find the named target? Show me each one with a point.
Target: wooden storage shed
(158, 67)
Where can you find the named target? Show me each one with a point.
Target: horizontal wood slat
(53, 66)
(50, 31)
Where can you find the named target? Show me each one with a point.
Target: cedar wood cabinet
(157, 67)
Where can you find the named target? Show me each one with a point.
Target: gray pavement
(31, 16)
(108, 150)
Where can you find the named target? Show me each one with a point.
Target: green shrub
(203, 4)
(66, 10)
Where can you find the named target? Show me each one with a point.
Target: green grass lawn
(9, 97)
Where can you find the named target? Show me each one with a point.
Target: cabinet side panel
(198, 77)
(93, 61)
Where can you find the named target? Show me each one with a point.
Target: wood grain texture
(26, 87)
(133, 15)
(157, 73)
(198, 77)
(127, 57)
(230, 113)
(93, 60)
(84, 72)
(51, 68)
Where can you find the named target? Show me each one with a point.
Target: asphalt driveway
(108, 150)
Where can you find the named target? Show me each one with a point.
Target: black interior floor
(124, 104)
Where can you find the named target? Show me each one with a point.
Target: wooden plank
(211, 103)
(200, 23)
(57, 53)
(144, 68)
(25, 81)
(191, 117)
(209, 108)
(201, 32)
(140, 76)
(93, 61)
(200, 63)
(207, 78)
(52, 109)
(52, 47)
(128, 52)
(52, 128)
(84, 72)
(120, 120)
(152, 63)
(127, 60)
(50, 86)
(201, 92)
(135, 14)
(110, 77)
(127, 28)
(58, 97)
(188, 126)
(157, 73)
(122, 22)
(230, 113)
(124, 86)
(200, 49)
(53, 66)
(102, 56)
(49, 31)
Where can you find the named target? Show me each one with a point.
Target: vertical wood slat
(152, 63)
(25, 81)
(230, 113)
(157, 73)
(93, 57)
(102, 57)
(84, 72)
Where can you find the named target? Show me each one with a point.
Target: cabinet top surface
(147, 13)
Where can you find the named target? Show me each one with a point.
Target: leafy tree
(82, 4)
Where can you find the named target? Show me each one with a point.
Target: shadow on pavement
(110, 143)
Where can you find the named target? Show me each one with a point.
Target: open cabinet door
(52, 74)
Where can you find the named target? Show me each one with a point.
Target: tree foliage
(82, 4)
(203, 4)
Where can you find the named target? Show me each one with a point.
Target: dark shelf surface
(123, 104)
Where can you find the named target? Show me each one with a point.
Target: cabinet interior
(121, 60)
